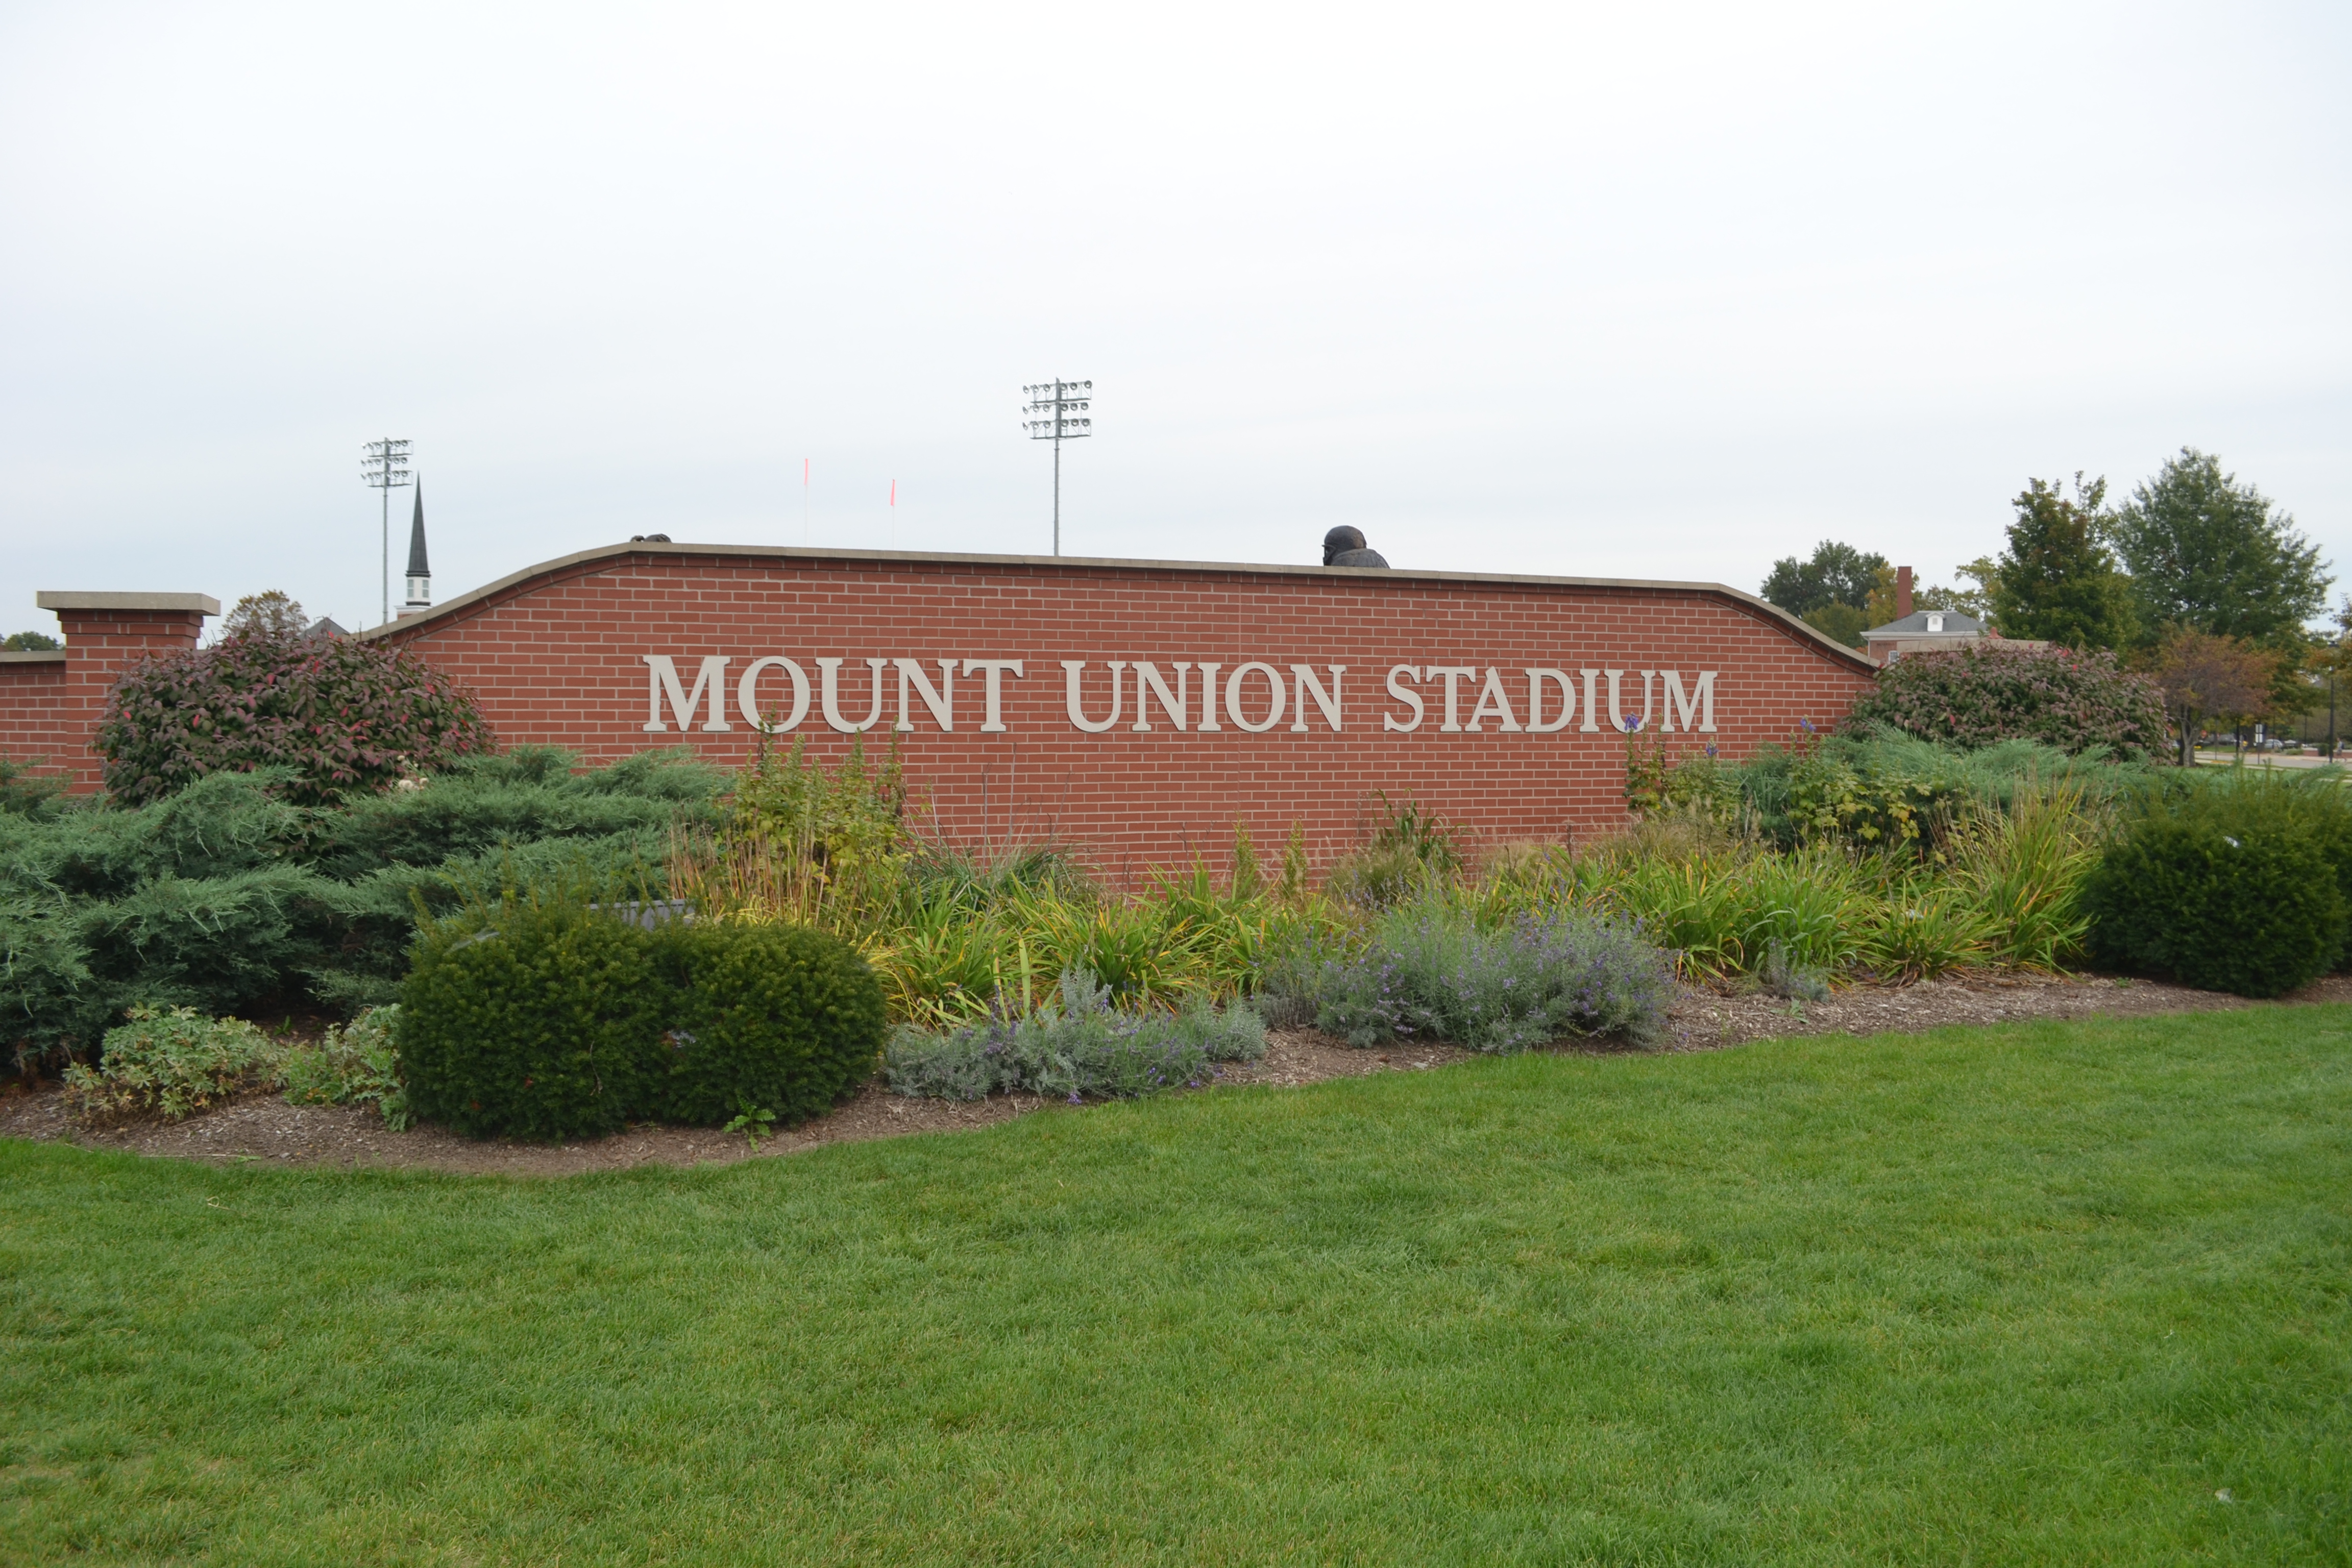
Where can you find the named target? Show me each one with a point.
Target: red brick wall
(51, 709)
(35, 718)
(556, 655)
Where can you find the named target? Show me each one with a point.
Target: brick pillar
(105, 635)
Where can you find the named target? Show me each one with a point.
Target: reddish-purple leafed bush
(347, 717)
(1990, 691)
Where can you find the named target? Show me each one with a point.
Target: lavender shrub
(1433, 974)
(1080, 1048)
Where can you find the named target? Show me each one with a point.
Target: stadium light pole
(1064, 406)
(384, 466)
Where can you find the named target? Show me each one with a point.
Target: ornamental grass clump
(1428, 971)
(1982, 866)
(1077, 1047)
(2023, 870)
(1921, 928)
(1408, 852)
(170, 1064)
(1721, 913)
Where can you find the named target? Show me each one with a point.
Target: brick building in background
(1133, 709)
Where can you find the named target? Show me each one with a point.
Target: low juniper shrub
(355, 1065)
(227, 898)
(1431, 974)
(2229, 889)
(1081, 1048)
(28, 791)
(170, 1064)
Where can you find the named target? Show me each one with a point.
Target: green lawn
(2031, 1295)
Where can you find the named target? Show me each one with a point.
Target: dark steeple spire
(417, 567)
(420, 575)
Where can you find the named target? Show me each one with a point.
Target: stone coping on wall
(34, 655)
(424, 620)
(54, 599)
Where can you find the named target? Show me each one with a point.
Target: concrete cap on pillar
(202, 603)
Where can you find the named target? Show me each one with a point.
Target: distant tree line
(2196, 578)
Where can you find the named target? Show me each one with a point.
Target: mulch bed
(262, 1127)
(1711, 1017)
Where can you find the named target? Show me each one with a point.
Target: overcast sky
(1607, 290)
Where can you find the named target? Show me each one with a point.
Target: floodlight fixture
(384, 466)
(1063, 407)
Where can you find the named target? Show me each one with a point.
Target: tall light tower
(1064, 404)
(384, 466)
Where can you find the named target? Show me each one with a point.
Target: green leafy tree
(2204, 675)
(267, 616)
(30, 642)
(1976, 602)
(2327, 665)
(1884, 603)
(2207, 553)
(1837, 574)
(1843, 622)
(2058, 581)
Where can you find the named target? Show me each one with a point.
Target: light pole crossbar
(1064, 406)
(383, 467)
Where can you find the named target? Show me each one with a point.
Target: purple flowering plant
(1077, 1047)
(1431, 973)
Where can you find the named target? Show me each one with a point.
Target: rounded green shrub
(551, 1018)
(2234, 890)
(2324, 809)
(779, 1017)
(532, 1020)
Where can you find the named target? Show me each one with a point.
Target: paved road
(2260, 760)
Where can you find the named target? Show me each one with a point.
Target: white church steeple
(420, 575)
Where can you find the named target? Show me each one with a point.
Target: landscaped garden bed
(262, 1127)
(1931, 888)
(662, 952)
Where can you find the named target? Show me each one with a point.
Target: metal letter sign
(1253, 697)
